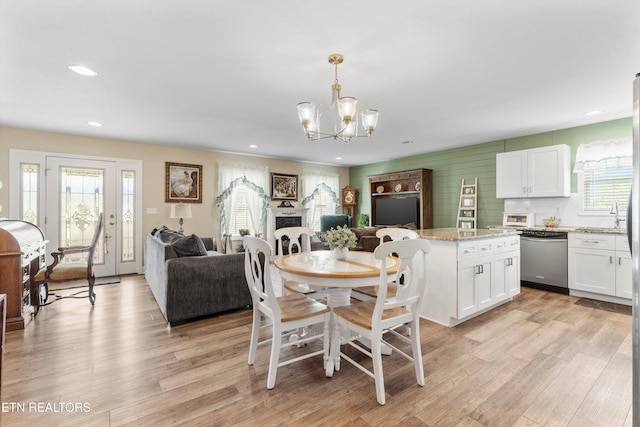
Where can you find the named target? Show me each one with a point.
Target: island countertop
(460, 234)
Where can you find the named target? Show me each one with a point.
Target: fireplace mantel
(277, 216)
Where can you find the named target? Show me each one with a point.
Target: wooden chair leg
(92, 295)
(378, 375)
(276, 344)
(255, 335)
(417, 353)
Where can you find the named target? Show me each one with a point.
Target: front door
(77, 191)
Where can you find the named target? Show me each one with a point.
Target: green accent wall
(450, 167)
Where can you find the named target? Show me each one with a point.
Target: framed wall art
(284, 187)
(183, 183)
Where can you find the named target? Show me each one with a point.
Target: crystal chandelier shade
(343, 110)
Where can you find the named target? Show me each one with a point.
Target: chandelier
(344, 112)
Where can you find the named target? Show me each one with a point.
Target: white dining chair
(284, 314)
(366, 293)
(299, 240)
(374, 319)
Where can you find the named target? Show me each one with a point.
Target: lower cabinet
(474, 285)
(623, 274)
(506, 281)
(468, 277)
(488, 274)
(600, 263)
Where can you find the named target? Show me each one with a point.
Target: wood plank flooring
(540, 360)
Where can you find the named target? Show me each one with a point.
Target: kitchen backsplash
(564, 208)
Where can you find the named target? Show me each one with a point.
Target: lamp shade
(369, 119)
(306, 112)
(180, 210)
(347, 107)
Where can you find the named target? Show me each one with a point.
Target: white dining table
(321, 269)
(335, 277)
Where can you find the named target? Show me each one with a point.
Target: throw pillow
(189, 246)
(169, 236)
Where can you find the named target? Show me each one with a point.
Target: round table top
(358, 264)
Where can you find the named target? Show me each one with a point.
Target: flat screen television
(393, 211)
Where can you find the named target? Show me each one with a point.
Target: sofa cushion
(189, 246)
(169, 236)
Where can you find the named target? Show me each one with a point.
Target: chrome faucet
(617, 219)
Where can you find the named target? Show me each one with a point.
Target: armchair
(64, 272)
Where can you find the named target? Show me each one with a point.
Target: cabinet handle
(524, 190)
(619, 260)
(610, 259)
(479, 269)
(595, 242)
(509, 262)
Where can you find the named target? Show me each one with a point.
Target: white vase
(341, 253)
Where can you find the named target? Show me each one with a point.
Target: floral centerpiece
(340, 239)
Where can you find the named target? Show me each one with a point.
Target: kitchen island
(469, 272)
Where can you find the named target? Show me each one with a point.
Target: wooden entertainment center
(416, 184)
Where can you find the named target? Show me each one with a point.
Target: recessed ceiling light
(593, 113)
(81, 69)
(338, 158)
(95, 124)
(407, 142)
(253, 146)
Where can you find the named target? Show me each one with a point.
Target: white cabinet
(600, 263)
(538, 172)
(468, 277)
(474, 285)
(488, 273)
(623, 268)
(506, 281)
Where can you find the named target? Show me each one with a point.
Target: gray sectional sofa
(189, 279)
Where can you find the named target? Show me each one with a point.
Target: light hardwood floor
(538, 360)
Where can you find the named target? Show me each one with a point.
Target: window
(242, 201)
(242, 215)
(599, 188)
(322, 206)
(320, 195)
(128, 218)
(605, 174)
(30, 194)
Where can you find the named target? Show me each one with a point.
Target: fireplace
(288, 221)
(284, 217)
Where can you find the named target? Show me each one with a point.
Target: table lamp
(180, 210)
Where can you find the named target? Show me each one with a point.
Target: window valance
(610, 153)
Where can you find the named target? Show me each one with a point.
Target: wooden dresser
(22, 253)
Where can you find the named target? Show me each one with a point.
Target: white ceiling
(223, 74)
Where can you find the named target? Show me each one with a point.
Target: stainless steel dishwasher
(543, 260)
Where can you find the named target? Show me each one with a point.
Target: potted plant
(340, 239)
(363, 220)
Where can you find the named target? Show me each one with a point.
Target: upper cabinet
(538, 172)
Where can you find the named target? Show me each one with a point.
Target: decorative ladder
(468, 206)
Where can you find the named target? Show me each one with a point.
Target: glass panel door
(77, 192)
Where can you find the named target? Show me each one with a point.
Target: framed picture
(284, 187)
(468, 202)
(183, 183)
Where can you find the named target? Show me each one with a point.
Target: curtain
(315, 182)
(611, 153)
(256, 179)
